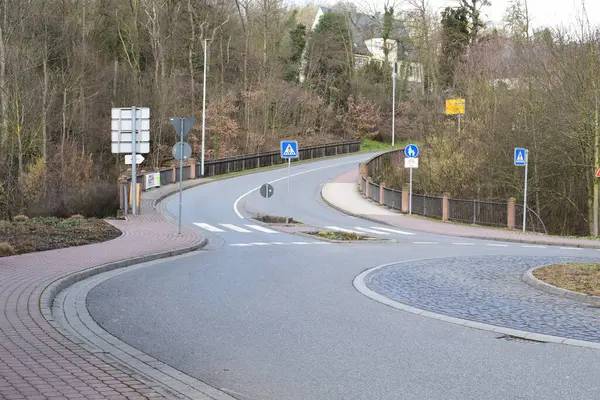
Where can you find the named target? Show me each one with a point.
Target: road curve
(268, 315)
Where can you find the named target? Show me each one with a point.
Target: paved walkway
(342, 193)
(36, 360)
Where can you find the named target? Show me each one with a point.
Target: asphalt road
(271, 315)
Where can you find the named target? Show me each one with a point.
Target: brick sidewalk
(342, 193)
(36, 360)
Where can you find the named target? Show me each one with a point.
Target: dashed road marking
(235, 228)
(336, 228)
(261, 228)
(496, 245)
(371, 231)
(274, 243)
(425, 243)
(570, 248)
(534, 246)
(208, 227)
(393, 230)
(464, 244)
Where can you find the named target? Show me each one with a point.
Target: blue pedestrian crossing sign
(411, 151)
(289, 149)
(520, 156)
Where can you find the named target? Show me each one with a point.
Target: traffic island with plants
(339, 236)
(27, 235)
(577, 277)
(271, 219)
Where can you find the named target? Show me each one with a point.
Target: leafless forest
(65, 63)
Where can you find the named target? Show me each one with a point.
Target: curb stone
(541, 241)
(361, 216)
(70, 309)
(360, 285)
(370, 240)
(536, 283)
(50, 293)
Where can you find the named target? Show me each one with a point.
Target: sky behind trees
(543, 12)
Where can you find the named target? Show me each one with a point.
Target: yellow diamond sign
(455, 106)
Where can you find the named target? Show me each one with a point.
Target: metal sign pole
(394, 105)
(287, 214)
(410, 192)
(203, 111)
(181, 175)
(134, 209)
(525, 190)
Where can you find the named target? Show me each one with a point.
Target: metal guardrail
(477, 212)
(251, 161)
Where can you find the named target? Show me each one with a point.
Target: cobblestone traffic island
(488, 289)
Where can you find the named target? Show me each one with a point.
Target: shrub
(96, 199)
(48, 221)
(6, 249)
(21, 218)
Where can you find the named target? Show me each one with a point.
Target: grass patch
(270, 219)
(339, 235)
(577, 277)
(49, 233)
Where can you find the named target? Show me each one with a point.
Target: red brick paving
(36, 360)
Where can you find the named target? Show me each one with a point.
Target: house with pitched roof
(367, 34)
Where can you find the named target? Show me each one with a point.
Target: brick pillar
(381, 188)
(511, 213)
(362, 171)
(405, 199)
(192, 163)
(445, 207)
(368, 187)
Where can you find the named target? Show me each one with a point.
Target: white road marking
(235, 204)
(533, 246)
(371, 230)
(336, 228)
(570, 248)
(425, 242)
(464, 244)
(235, 228)
(261, 228)
(393, 230)
(270, 243)
(496, 245)
(208, 227)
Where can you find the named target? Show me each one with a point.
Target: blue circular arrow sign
(411, 151)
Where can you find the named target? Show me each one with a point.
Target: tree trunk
(45, 100)
(191, 57)
(3, 94)
(63, 130)
(115, 79)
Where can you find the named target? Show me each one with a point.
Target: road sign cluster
(122, 124)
